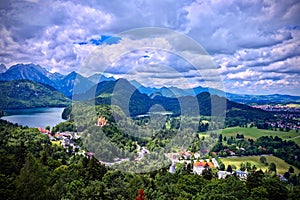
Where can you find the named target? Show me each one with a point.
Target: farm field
(281, 165)
(255, 133)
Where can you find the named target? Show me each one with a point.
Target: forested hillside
(28, 94)
(34, 168)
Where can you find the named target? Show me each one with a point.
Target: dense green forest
(27, 94)
(1, 113)
(34, 168)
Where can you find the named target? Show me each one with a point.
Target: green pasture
(281, 165)
(255, 133)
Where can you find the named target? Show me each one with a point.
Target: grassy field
(297, 140)
(293, 105)
(281, 165)
(55, 143)
(254, 133)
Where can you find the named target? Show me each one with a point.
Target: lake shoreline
(35, 117)
(26, 108)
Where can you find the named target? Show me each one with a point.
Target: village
(288, 117)
(66, 140)
(178, 156)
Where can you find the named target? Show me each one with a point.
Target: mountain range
(74, 81)
(36, 87)
(122, 93)
(62, 83)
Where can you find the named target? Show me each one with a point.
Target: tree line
(34, 168)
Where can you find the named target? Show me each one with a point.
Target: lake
(35, 117)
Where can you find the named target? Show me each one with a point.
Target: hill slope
(74, 82)
(28, 94)
(122, 93)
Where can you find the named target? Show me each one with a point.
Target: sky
(254, 45)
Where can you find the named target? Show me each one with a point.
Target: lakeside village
(183, 156)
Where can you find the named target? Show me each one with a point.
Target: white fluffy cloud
(255, 44)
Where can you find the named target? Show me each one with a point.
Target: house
(186, 155)
(51, 137)
(41, 130)
(172, 156)
(101, 121)
(281, 177)
(215, 162)
(200, 166)
(66, 134)
(172, 169)
(57, 135)
(90, 155)
(196, 155)
(241, 174)
(223, 174)
(65, 142)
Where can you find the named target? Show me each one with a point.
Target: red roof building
(203, 164)
(101, 121)
(41, 130)
(200, 166)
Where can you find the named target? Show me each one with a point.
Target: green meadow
(255, 133)
(281, 165)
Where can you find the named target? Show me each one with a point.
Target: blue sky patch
(104, 39)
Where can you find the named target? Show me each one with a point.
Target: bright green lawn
(281, 165)
(297, 140)
(55, 143)
(255, 133)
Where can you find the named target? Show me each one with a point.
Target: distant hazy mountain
(173, 92)
(122, 93)
(55, 77)
(28, 94)
(2, 68)
(263, 99)
(97, 78)
(74, 82)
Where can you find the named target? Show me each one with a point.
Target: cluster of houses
(201, 165)
(288, 113)
(284, 125)
(66, 139)
(182, 154)
(277, 108)
(198, 166)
